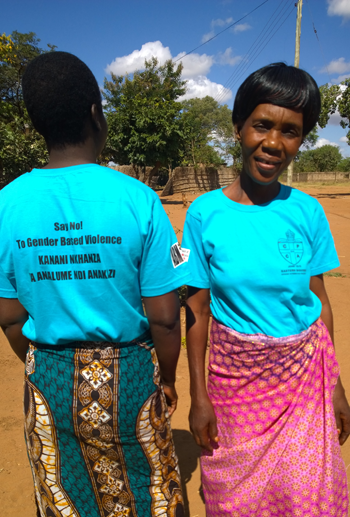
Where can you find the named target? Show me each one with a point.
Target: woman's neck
(246, 191)
(72, 155)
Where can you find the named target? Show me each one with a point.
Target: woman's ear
(95, 115)
(237, 132)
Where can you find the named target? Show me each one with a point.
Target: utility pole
(296, 64)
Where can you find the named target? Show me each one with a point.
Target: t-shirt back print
(72, 249)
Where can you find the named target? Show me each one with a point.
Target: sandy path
(16, 491)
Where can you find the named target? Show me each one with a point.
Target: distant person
(81, 246)
(259, 250)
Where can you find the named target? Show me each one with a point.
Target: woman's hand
(170, 397)
(342, 412)
(202, 417)
(203, 424)
(340, 403)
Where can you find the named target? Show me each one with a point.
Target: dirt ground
(16, 490)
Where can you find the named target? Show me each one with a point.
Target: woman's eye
(290, 132)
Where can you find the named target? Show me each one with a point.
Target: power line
(318, 39)
(263, 47)
(251, 55)
(270, 25)
(259, 41)
(218, 34)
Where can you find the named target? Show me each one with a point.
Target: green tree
(144, 117)
(344, 107)
(324, 159)
(21, 147)
(344, 165)
(333, 98)
(329, 96)
(208, 132)
(236, 153)
(311, 139)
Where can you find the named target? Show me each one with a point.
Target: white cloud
(339, 8)
(334, 120)
(341, 78)
(337, 66)
(241, 27)
(226, 58)
(323, 141)
(196, 68)
(215, 23)
(202, 86)
(195, 64)
(136, 60)
(221, 23)
(343, 139)
(206, 37)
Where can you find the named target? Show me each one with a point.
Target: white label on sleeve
(176, 257)
(185, 253)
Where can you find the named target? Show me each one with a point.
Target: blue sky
(117, 35)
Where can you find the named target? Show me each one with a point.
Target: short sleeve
(198, 263)
(324, 255)
(6, 288)
(159, 273)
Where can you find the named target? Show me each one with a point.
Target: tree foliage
(311, 139)
(149, 125)
(344, 107)
(208, 132)
(344, 165)
(323, 159)
(333, 98)
(144, 117)
(21, 147)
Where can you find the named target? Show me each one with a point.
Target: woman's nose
(273, 141)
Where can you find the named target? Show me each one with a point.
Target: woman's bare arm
(202, 416)
(163, 313)
(12, 318)
(340, 403)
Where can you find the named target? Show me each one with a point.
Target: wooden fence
(201, 179)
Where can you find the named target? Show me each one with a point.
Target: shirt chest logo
(291, 248)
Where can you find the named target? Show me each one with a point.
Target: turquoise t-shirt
(79, 247)
(257, 260)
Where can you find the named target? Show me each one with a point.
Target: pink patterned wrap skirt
(278, 452)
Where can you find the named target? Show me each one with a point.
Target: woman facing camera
(274, 412)
(81, 247)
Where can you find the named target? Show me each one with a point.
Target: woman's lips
(267, 165)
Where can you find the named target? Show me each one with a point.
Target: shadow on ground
(170, 202)
(188, 453)
(333, 195)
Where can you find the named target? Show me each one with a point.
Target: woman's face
(270, 138)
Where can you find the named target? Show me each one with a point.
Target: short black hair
(281, 85)
(58, 91)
